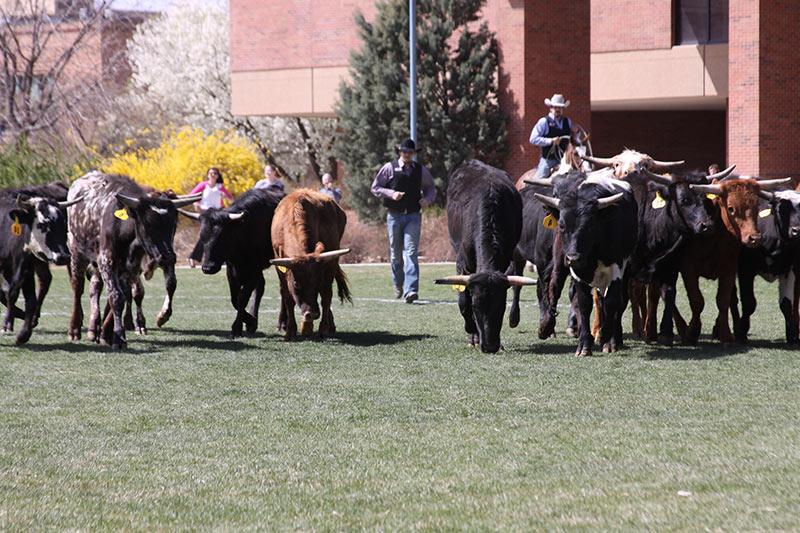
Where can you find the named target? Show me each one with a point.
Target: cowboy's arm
(380, 182)
(538, 134)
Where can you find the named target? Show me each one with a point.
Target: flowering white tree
(181, 74)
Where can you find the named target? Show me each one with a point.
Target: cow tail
(341, 285)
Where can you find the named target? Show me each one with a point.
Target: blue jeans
(545, 167)
(404, 249)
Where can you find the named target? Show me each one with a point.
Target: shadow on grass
(703, 350)
(374, 338)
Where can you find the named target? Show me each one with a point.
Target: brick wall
(696, 136)
(743, 85)
(619, 25)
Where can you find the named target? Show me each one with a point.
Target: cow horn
(186, 200)
(706, 189)
(722, 174)
(658, 178)
(546, 182)
(128, 201)
(766, 195)
(189, 214)
(282, 261)
(602, 203)
(460, 279)
(64, 205)
(601, 161)
(333, 254)
(547, 200)
(772, 184)
(663, 165)
(520, 281)
(235, 216)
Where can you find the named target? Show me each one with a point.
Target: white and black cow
(31, 230)
(484, 218)
(598, 224)
(116, 215)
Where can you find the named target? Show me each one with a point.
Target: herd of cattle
(623, 233)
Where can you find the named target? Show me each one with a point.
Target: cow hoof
(163, 317)
(547, 329)
(583, 352)
(306, 328)
(513, 319)
(74, 335)
(141, 330)
(118, 346)
(8, 329)
(666, 340)
(571, 333)
(90, 335)
(23, 337)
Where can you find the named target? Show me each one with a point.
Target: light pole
(412, 66)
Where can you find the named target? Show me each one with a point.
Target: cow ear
(661, 189)
(23, 215)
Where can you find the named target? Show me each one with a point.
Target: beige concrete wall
(693, 75)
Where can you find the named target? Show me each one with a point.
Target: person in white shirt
(272, 180)
(214, 196)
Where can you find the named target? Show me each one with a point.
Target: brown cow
(306, 233)
(716, 255)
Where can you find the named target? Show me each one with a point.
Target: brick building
(701, 80)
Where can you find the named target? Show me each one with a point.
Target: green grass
(396, 424)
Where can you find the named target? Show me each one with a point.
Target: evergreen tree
(458, 115)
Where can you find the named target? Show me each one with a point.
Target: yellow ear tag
(711, 196)
(764, 213)
(459, 288)
(549, 221)
(16, 228)
(121, 214)
(282, 269)
(658, 201)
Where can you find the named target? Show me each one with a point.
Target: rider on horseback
(552, 134)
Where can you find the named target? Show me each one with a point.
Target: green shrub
(21, 165)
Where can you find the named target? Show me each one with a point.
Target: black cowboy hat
(408, 146)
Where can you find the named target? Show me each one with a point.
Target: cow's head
(47, 220)
(487, 292)
(786, 209)
(687, 207)
(631, 161)
(737, 200)
(305, 275)
(217, 230)
(581, 213)
(154, 221)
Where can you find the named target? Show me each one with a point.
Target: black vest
(409, 183)
(550, 151)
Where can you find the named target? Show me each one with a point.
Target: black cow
(598, 223)
(776, 258)
(484, 218)
(32, 230)
(239, 237)
(102, 230)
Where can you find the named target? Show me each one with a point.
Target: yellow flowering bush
(183, 158)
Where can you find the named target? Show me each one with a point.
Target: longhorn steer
(484, 218)
(306, 234)
(32, 230)
(598, 223)
(239, 237)
(102, 230)
(716, 254)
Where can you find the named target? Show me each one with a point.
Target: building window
(701, 21)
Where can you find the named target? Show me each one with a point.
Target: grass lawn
(395, 424)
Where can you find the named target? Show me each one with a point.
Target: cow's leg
(516, 268)
(696, 303)
(241, 310)
(597, 323)
(572, 312)
(612, 306)
(117, 291)
(653, 294)
(742, 327)
(724, 288)
(170, 284)
(665, 334)
(547, 325)
(465, 306)
(252, 324)
(327, 326)
(638, 299)
(287, 306)
(137, 294)
(234, 285)
(29, 292)
(18, 312)
(11, 295)
(77, 279)
(45, 277)
(583, 294)
(95, 290)
(547, 321)
(786, 297)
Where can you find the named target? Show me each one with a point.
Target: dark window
(701, 21)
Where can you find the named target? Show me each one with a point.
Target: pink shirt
(212, 196)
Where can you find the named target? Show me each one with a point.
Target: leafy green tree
(458, 114)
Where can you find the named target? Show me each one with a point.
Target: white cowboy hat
(556, 101)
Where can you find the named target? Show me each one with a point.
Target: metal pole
(412, 66)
